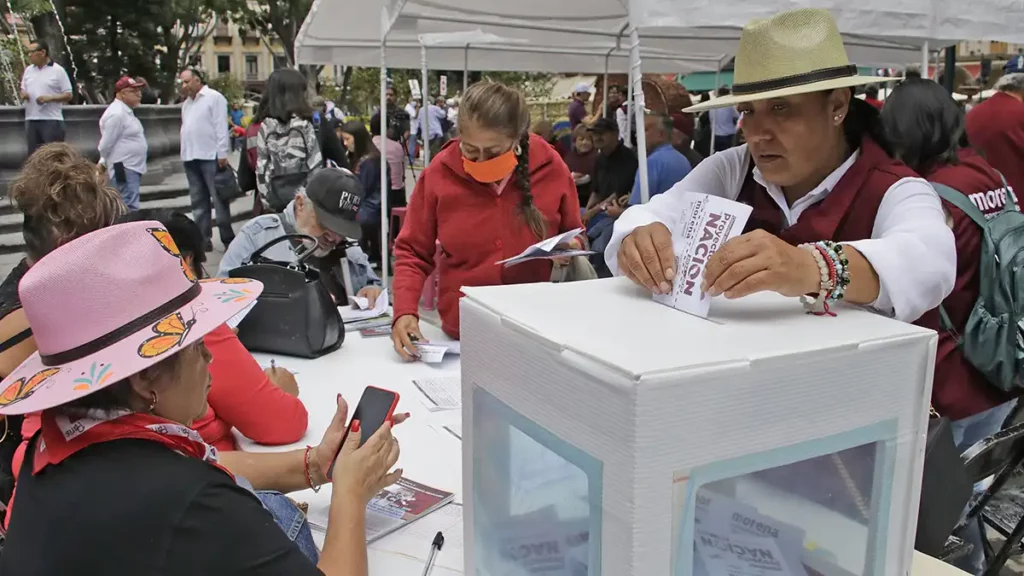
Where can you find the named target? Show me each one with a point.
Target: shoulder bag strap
(306, 239)
(956, 198)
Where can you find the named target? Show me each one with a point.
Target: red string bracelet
(309, 475)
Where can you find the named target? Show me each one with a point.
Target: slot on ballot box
(643, 440)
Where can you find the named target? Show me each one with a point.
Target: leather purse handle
(307, 240)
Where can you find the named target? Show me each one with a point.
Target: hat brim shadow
(734, 99)
(35, 386)
(343, 226)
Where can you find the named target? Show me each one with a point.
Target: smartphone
(376, 407)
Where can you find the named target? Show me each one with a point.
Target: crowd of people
(111, 390)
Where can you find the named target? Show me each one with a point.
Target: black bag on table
(295, 315)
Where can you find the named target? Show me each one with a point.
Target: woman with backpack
(926, 129)
(287, 148)
(364, 158)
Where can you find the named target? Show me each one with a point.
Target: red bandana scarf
(63, 435)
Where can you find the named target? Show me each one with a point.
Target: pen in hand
(435, 547)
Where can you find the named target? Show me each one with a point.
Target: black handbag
(295, 315)
(945, 488)
(226, 184)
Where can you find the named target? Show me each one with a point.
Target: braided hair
(498, 107)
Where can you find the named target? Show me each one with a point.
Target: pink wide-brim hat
(108, 305)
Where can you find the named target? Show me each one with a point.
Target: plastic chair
(997, 457)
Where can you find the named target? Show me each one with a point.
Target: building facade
(241, 52)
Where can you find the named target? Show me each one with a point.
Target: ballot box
(608, 435)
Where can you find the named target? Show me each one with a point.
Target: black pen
(435, 547)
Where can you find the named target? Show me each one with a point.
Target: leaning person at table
(815, 169)
(148, 495)
(486, 197)
(262, 404)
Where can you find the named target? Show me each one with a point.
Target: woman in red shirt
(487, 196)
(262, 405)
(926, 129)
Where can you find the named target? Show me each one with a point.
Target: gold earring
(154, 400)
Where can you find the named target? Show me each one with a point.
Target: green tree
(230, 86)
(280, 19)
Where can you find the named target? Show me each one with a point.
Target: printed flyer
(707, 224)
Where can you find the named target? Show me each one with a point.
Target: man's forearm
(63, 97)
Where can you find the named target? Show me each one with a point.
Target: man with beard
(325, 210)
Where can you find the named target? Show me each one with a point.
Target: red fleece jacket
(477, 227)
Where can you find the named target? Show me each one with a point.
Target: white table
(428, 456)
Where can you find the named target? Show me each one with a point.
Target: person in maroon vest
(926, 129)
(815, 168)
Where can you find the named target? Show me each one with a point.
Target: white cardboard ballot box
(608, 435)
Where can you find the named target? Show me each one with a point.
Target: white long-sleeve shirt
(122, 139)
(911, 248)
(204, 126)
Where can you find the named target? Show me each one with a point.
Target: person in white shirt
(45, 88)
(204, 151)
(123, 141)
(817, 172)
(413, 109)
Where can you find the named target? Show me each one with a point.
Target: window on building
(280, 61)
(252, 66)
(223, 64)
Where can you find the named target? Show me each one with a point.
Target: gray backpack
(992, 340)
(287, 151)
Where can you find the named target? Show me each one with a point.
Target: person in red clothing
(926, 129)
(996, 128)
(262, 404)
(871, 96)
(487, 196)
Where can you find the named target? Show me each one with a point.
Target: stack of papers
(441, 393)
(361, 309)
(394, 507)
(546, 249)
(235, 320)
(433, 353)
(707, 224)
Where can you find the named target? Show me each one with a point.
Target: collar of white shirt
(792, 213)
(202, 92)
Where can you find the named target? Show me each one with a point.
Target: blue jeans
(202, 192)
(966, 433)
(129, 189)
(288, 516)
(411, 148)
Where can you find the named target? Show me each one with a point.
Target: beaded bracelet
(819, 305)
(309, 475)
(834, 252)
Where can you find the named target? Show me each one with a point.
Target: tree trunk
(346, 80)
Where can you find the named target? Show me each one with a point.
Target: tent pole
(425, 109)
(924, 61)
(627, 138)
(604, 90)
(465, 70)
(385, 216)
(718, 72)
(639, 106)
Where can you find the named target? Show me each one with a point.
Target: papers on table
(380, 307)
(441, 393)
(545, 249)
(377, 331)
(433, 353)
(414, 539)
(235, 320)
(378, 322)
(708, 223)
(394, 507)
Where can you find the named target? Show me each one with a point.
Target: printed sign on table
(707, 223)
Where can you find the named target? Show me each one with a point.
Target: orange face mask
(492, 170)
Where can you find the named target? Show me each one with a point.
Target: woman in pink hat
(121, 374)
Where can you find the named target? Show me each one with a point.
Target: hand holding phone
(376, 407)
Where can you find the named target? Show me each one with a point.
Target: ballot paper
(414, 539)
(433, 353)
(441, 393)
(545, 249)
(235, 320)
(380, 308)
(740, 556)
(708, 222)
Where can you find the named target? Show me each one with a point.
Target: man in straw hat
(120, 375)
(833, 214)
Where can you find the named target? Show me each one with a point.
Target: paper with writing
(433, 353)
(441, 393)
(546, 249)
(380, 308)
(707, 223)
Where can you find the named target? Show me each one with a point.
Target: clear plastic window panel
(821, 516)
(537, 499)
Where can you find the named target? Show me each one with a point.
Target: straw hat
(793, 52)
(108, 305)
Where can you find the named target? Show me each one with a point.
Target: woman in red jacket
(926, 129)
(487, 196)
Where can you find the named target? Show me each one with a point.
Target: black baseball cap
(336, 195)
(604, 125)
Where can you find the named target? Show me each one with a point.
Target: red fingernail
(355, 425)
(339, 399)
(408, 414)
